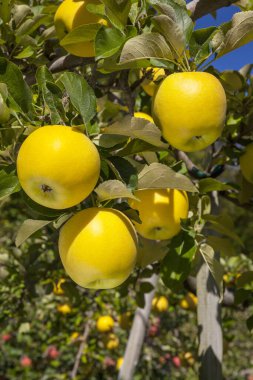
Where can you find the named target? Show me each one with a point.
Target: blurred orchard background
(49, 326)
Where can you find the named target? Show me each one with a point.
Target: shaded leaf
(137, 128)
(28, 228)
(148, 45)
(159, 176)
(214, 265)
(224, 225)
(17, 87)
(207, 185)
(240, 34)
(113, 189)
(176, 265)
(9, 184)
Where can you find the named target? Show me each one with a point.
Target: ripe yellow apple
(149, 86)
(246, 163)
(160, 304)
(58, 166)
(160, 211)
(111, 342)
(143, 115)
(98, 248)
(189, 358)
(64, 309)
(150, 251)
(190, 109)
(189, 302)
(70, 15)
(105, 323)
(119, 363)
(74, 336)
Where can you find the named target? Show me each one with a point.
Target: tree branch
(80, 351)
(200, 8)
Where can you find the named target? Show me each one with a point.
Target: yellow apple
(143, 115)
(160, 211)
(160, 304)
(190, 302)
(149, 85)
(98, 248)
(246, 163)
(111, 342)
(70, 15)
(190, 109)
(105, 323)
(58, 166)
(119, 363)
(64, 309)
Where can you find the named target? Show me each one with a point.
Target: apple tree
(103, 75)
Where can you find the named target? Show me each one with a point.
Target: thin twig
(81, 348)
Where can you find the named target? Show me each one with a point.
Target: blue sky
(236, 59)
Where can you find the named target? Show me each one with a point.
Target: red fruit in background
(6, 337)
(25, 361)
(109, 362)
(176, 361)
(249, 377)
(153, 331)
(52, 352)
(167, 356)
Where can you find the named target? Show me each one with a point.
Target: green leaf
(81, 95)
(172, 32)
(245, 280)
(222, 245)
(117, 12)
(214, 265)
(240, 34)
(159, 176)
(113, 189)
(81, 34)
(242, 295)
(17, 87)
(108, 42)
(28, 228)
(182, 17)
(176, 265)
(126, 171)
(224, 225)
(8, 184)
(207, 185)
(51, 93)
(148, 45)
(137, 128)
(200, 43)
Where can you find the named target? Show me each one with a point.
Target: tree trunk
(137, 335)
(209, 322)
